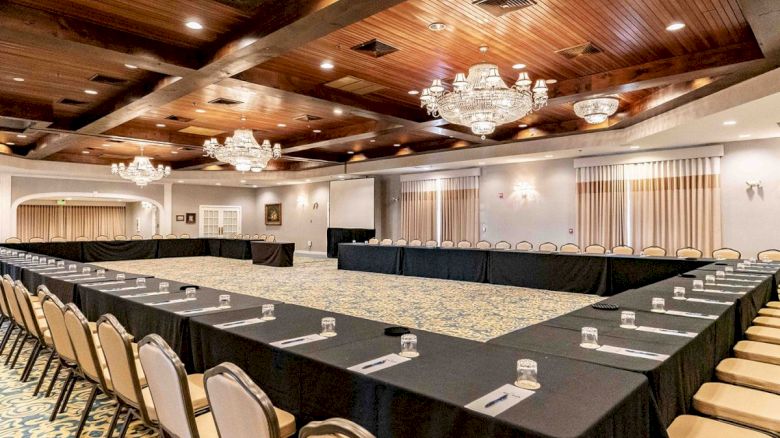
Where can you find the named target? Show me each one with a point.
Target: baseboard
(322, 254)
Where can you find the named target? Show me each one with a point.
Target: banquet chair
(136, 237)
(179, 401)
(758, 351)
(36, 240)
(745, 406)
(483, 244)
(595, 249)
(373, 241)
(447, 244)
(763, 334)
(689, 252)
(432, 244)
(82, 239)
(415, 242)
(157, 236)
(334, 427)
(401, 242)
(623, 250)
(101, 238)
(691, 426)
(255, 237)
(548, 247)
(524, 245)
(5, 316)
(36, 326)
(13, 240)
(726, 254)
(570, 248)
(769, 312)
(270, 238)
(464, 244)
(767, 321)
(749, 374)
(9, 288)
(128, 376)
(503, 245)
(184, 236)
(54, 312)
(120, 237)
(654, 251)
(240, 408)
(58, 239)
(263, 237)
(171, 236)
(769, 254)
(386, 242)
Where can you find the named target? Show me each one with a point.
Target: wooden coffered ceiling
(255, 64)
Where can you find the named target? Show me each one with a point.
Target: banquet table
(466, 264)
(370, 258)
(279, 254)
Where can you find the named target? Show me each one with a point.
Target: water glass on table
(590, 338)
(679, 293)
(658, 305)
(224, 301)
(409, 345)
(527, 374)
(268, 312)
(328, 327)
(628, 319)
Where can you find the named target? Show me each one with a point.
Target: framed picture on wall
(179, 218)
(191, 218)
(273, 214)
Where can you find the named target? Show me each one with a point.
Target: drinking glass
(120, 276)
(268, 312)
(164, 286)
(42, 260)
(140, 282)
(61, 264)
(409, 345)
(753, 260)
(527, 370)
(101, 272)
(679, 293)
(35, 258)
(328, 327)
(51, 262)
(658, 305)
(28, 257)
(709, 279)
(189, 292)
(628, 319)
(224, 301)
(590, 338)
(720, 275)
(72, 268)
(740, 266)
(86, 270)
(698, 285)
(747, 262)
(729, 269)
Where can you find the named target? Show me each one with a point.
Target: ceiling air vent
(225, 101)
(354, 85)
(579, 50)
(501, 7)
(176, 118)
(375, 48)
(69, 101)
(108, 80)
(307, 118)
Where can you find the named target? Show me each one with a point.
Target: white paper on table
(65, 277)
(716, 291)
(633, 353)
(145, 294)
(176, 301)
(379, 363)
(664, 331)
(728, 285)
(240, 323)
(743, 280)
(732, 274)
(119, 289)
(704, 300)
(201, 310)
(106, 283)
(45, 269)
(691, 314)
(56, 273)
(292, 342)
(514, 395)
(90, 278)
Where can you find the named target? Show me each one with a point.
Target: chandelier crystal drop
(242, 151)
(141, 171)
(482, 100)
(596, 110)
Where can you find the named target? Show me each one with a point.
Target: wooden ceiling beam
(763, 17)
(17, 107)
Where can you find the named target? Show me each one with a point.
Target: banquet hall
(389, 218)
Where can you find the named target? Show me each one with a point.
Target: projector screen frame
(331, 203)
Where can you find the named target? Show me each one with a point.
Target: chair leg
(70, 391)
(128, 420)
(13, 347)
(54, 378)
(19, 351)
(6, 337)
(45, 371)
(31, 360)
(65, 386)
(114, 419)
(87, 409)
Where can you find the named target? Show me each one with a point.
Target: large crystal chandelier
(597, 109)
(482, 100)
(242, 151)
(141, 171)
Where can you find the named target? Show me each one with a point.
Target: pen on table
(379, 362)
(291, 341)
(231, 324)
(644, 353)
(498, 400)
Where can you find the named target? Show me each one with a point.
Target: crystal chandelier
(597, 109)
(242, 151)
(141, 171)
(482, 100)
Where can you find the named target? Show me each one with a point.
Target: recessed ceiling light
(254, 186)
(19, 79)
(281, 125)
(308, 180)
(88, 91)
(160, 125)
(518, 66)
(174, 152)
(522, 125)
(106, 145)
(675, 26)
(396, 144)
(316, 131)
(635, 146)
(338, 111)
(551, 81)
(219, 184)
(131, 66)
(437, 26)
(351, 152)
(413, 92)
(21, 135)
(200, 110)
(85, 152)
(10, 143)
(372, 141)
(744, 135)
(194, 25)
(341, 176)
(180, 181)
(326, 65)
(549, 156)
(729, 123)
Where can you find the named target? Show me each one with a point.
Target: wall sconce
(301, 201)
(147, 205)
(755, 184)
(524, 190)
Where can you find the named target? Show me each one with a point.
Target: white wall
(189, 198)
(302, 220)
(140, 220)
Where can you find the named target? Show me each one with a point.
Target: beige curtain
(460, 209)
(418, 209)
(676, 203)
(601, 206)
(49, 221)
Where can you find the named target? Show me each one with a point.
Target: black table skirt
(446, 263)
(235, 249)
(182, 248)
(370, 258)
(560, 272)
(345, 235)
(279, 254)
(119, 250)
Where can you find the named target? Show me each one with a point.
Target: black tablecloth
(562, 272)
(465, 264)
(182, 248)
(370, 258)
(344, 235)
(272, 253)
(235, 249)
(62, 250)
(631, 272)
(118, 250)
(66, 289)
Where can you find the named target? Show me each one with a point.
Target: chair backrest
(240, 408)
(689, 252)
(136, 237)
(54, 312)
(524, 246)
(118, 350)
(28, 313)
(334, 427)
(595, 249)
(654, 251)
(727, 254)
(36, 240)
(464, 244)
(157, 236)
(255, 236)
(83, 343)
(431, 244)
(769, 254)
(447, 244)
(623, 250)
(548, 246)
(270, 238)
(503, 244)
(401, 242)
(13, 302)
(263, 237)
(57, 239)
(171, 236)
(184, 236)
(415, 242)
(168, 385)
(570, 248)
(13, 240)
(4, 307)
(120, 237)
(386, 242)
(484, 244)
(82, 239)
(373, 241)
(102, 238)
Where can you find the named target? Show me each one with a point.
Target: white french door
(220, 220)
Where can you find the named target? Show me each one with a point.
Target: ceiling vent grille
(176, 118)
(225, 101)
(375, 48)
(108, 80)
(501, 7)
(355, 85)
(69, 101)
(307, 118)
(579, 50)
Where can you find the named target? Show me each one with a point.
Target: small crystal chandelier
(597, 109)
(482, 100)
(242, 151)
(141, 171)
